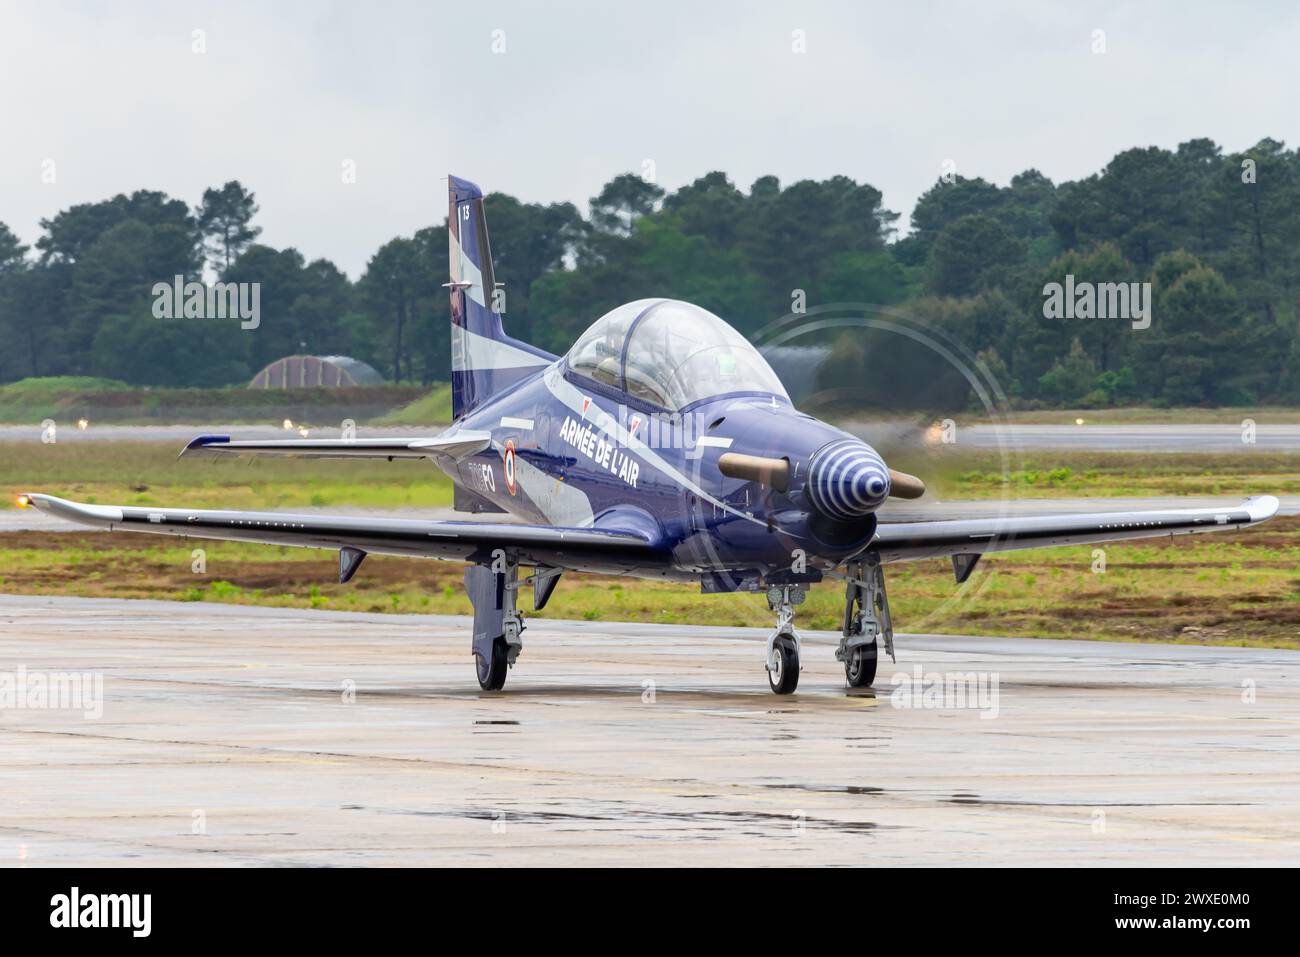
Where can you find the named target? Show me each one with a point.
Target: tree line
(1215, 234)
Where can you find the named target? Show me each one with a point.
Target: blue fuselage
(570, 451)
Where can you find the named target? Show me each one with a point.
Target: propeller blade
(771, 472)
(775, 473)
(902, 485)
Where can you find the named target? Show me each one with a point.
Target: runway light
(1078, 421)
(23, 501)
(83, 423)
(288, 425)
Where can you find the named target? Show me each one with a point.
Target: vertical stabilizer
(484, 360)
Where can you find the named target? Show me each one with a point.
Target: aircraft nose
(847, 480)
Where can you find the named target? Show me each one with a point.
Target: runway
(227, 738)
(1100, 437)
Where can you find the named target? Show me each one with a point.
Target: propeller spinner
(847, 479)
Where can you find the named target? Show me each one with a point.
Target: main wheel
(860, 667)
(492, 674)
(786, 676)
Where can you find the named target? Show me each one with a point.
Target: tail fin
(484, 360)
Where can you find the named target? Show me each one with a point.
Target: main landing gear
(497, 622)
(866, 619)
(866, 624)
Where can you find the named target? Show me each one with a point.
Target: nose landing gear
(866, 619)
(783, 645)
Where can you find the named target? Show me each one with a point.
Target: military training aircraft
(662, 446)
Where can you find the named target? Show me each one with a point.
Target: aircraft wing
(456, 445)
(906, 541)
(579, 549)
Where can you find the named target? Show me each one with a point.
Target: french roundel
(510, 465)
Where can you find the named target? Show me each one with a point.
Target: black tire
(786, 677)
(492, 674)
(860, 666)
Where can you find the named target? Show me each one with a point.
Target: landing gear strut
(783, 645)
(866, 618)
(497, 622)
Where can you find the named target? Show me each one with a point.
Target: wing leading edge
(580, 549)
(908, 541)
(456, 446)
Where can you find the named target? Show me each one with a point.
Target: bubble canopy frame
(671, 354)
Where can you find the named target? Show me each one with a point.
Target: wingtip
(39, 501)
(34, 500)
(1262, 507)
(201, 442)
(73, 511)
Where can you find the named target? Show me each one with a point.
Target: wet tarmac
(1225, 438)
(236, 736)
(1221, 438)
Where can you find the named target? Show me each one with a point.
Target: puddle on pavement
(705, 820)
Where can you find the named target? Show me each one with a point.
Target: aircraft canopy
(671, 354)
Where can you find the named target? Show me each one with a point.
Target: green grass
(149, 473)
(1233, 589)
(1146, 415)
(431, 409)
(35, 399)
(104, 401)
(954, 473)
(55, 384)
(1237, 588)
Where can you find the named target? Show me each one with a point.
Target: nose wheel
(783, 666)
(783, 645)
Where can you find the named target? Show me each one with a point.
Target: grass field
(1146, 415)
(1223, 589)
(1241, 588)
(65, 399)
(148, 473)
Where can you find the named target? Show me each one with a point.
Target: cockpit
(671, 354)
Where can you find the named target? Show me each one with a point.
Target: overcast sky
(114, 95)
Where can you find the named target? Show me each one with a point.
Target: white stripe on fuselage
(571, 397)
